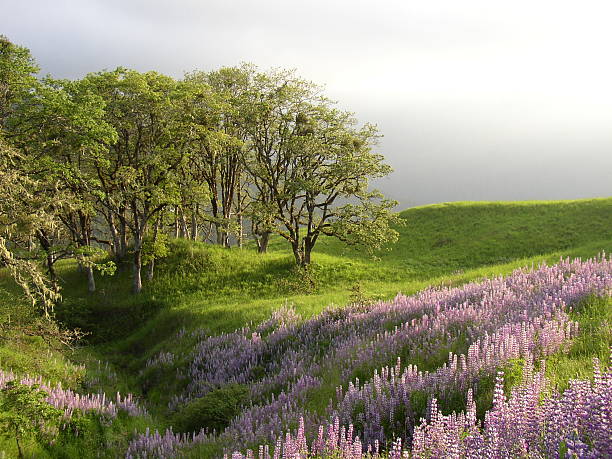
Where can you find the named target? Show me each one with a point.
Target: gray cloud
(477, 100)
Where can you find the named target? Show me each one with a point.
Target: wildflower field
(388, 401)
(497, 346)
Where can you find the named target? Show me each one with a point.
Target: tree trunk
(262, 242)
(306, 251)
(123, 244)
(91, 281)
(19, 452)
(240, 221)
(152, 262)
(184, 229)
(137, 267)
(151, 270)
(116, 247)
(302, 250)
(45, 243)
(194, 223)
(306, 258)
(176, 223)
(298, 253)
(219, 233)
(240, 230)
(51, 267)
(84, 240)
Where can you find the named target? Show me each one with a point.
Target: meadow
(232, 352)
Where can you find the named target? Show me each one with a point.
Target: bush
(24, 413)
(213, 411)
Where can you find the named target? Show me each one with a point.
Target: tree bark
(123, 244)
(45, 243)
(297, 253)
(184, 229)
(137, 281)
(51, 267)
(307, 250)
(116, 247)
(240, 230)
(194, 223)
(151, 271)
(137, 264)
(239, 212)
(176, 223)
(19, 452)
(152, 263)
(91, 281)
(262, 242)
(302, 251)
(218, 233)
(222, 235)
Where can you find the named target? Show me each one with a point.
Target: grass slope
(202, 286)
(221, 289)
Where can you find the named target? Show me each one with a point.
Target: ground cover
(201, 290)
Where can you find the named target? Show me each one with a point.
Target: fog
(477, 100)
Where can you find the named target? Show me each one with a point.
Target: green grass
(454, 242)
(217, 289)
(204, 286)
(594, 317)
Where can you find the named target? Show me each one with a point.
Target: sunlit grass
(200, 286)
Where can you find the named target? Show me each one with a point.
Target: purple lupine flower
(70, 401)
(523, 315)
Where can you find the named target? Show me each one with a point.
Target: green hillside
(451, 242)
(217, 289)
(198, 283)
(442, 238)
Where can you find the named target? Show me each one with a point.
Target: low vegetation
(146, 345)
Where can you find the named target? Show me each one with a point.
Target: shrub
(213, 411)
(24, 413)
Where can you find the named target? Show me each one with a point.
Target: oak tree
(311, 165)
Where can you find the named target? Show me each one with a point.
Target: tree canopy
(121, 160)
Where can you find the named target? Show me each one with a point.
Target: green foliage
(24, 413)
(305, 157)
(360, 296)
(89, 436)
(32, 355)
(213, 411)
(301, 279)
(22, 208)
(95, 257)
(372, 224)
(17, 75)
(153, 249)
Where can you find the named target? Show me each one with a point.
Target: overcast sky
(476, 99)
